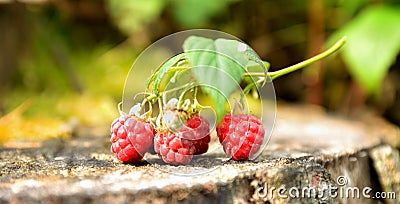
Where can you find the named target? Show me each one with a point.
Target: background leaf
(219, 65)
(133, 15)
(190, 13)
(15, 127)
(373, 44)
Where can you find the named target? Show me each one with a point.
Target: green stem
(196, 104)
(180, 100)
(276, 74)
(176, 88)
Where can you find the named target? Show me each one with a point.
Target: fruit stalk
(276, 74)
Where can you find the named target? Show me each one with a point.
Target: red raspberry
(130, 139)
(179, 147)
(240, 135)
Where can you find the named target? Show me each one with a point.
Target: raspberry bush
(168, 121)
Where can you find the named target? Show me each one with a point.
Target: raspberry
(130, 139)
(240, 135)
(179, 147)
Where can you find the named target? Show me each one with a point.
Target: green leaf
(373, 44)
(156, 78)
(217, 64)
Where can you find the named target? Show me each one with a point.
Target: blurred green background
(63, 63)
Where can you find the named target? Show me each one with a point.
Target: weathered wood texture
(309, 148)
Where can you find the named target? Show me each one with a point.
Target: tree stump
(310, 152)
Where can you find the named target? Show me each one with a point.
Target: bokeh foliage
(69, 59)
(373, 44)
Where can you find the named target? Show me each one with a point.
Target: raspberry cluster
(133, 135)
(177, 132)
(240, 135)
